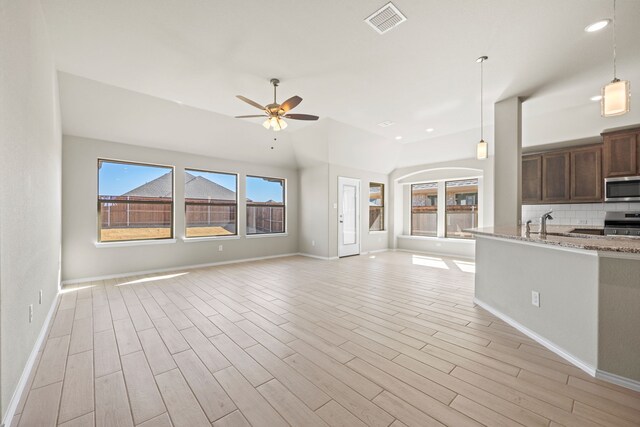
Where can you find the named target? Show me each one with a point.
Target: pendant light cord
(481, 100)
(614, 40)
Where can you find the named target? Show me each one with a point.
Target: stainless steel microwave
(625, 189)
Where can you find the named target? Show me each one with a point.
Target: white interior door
(348, 216)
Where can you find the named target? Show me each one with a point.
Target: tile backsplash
(575, 214)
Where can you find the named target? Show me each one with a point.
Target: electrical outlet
(40, 297)
(535, 298)
(30, 313)
(335, 206)
(313, 243)
(220, 248)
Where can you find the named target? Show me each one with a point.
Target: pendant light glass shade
(482, 150)
(616, 98)
(266, 124)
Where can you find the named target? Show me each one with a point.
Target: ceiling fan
(275, 113)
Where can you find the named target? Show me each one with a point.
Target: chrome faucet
(543, 223)
(527, 229)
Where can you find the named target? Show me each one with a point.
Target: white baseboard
(618, 380)
(589, 369)
(178, 268)
(28, 367)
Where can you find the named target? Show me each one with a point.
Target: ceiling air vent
(385, 18)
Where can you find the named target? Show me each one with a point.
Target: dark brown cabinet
(556, 180)
(531, 179)
(621, 153)
(586, 174)
(563, 176)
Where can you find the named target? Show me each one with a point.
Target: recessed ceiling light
(597, 26)
(398, 138)
(430, 130)
(596, 98)
(386, 124)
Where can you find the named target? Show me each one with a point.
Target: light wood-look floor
(391, 339)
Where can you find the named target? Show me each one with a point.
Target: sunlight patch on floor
(152, 279)
(465, 266)
(428, 261)
(66, 290)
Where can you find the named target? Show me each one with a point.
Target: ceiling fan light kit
(274, 113)
(482, 147)
(616, 96)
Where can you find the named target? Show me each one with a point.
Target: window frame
(283, 206)
(477, 210)
(237, 222)
(436, 212)
(381, 207)
(171, 203)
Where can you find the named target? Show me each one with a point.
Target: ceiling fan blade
(250, 102)
(290, 103)
(301, 117)
(249, 117)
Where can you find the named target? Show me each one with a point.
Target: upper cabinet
(621, 153)
(532, 179)
(556, 180)
(586, 174)
(563, 176)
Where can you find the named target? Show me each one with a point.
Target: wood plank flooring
(392, 339)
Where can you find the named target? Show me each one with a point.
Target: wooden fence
(265, 219)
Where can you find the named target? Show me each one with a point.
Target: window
(424, 209)
(376, 206)
(211, 203)
(462, 207)
(135, 201)
(265, 205)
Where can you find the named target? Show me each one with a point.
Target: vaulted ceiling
(200, 54)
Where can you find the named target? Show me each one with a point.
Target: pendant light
(482, 148)
(616, 96)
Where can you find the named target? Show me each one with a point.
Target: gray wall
(82, 259)
(508, 150)
(507, 272)
(29, 185)
(314, 211)
(619, 315)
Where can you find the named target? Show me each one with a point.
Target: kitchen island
(587, 288)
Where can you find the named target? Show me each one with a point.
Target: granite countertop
(559, 235)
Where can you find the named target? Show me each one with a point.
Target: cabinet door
(532, 179)
(555, 177)
(620, 155)
(586, 174)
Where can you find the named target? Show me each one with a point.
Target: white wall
(82, 259)
(400, 208)
(575, 214)
(29, 185)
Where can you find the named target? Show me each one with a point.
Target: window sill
(259, 236)
(134, 243)
(441, 239)
(209, 238)
(378, 232)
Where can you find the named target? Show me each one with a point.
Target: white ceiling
(420, 75)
